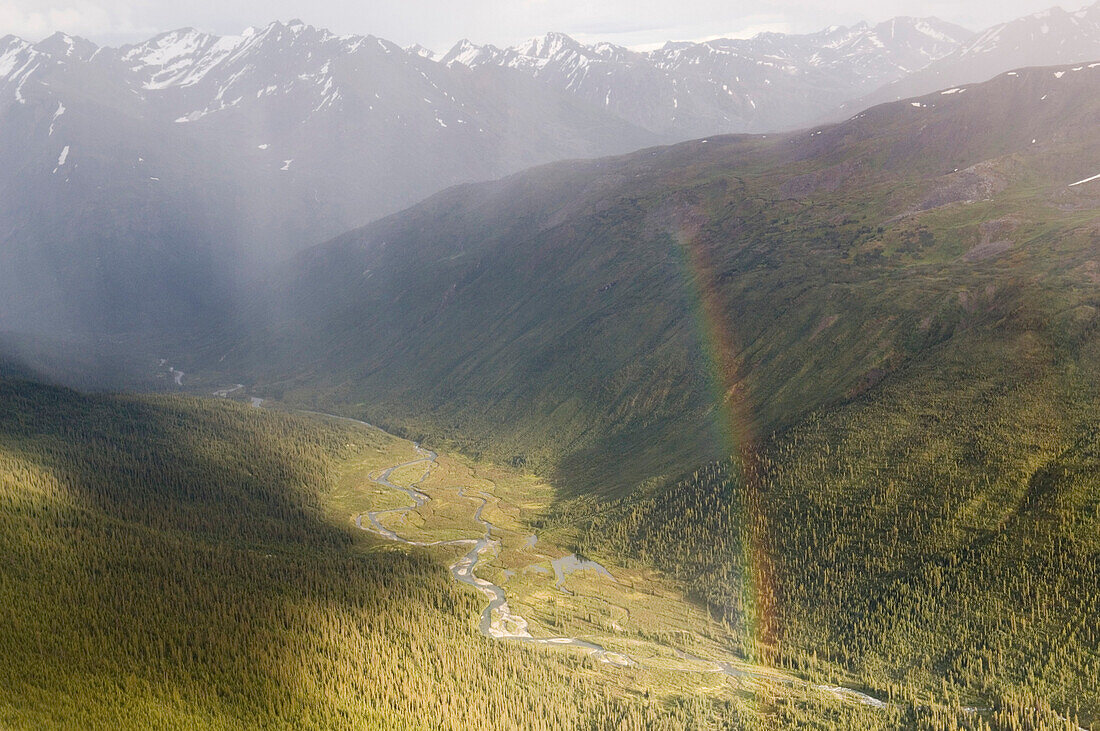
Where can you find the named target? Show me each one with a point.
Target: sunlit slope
(586, 316)
(172, 563)
(937, 537)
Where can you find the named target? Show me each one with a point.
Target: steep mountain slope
(767, 83)
(138, 183)
(842, 384)
(588, 311)
(1048, 38)
(939, 538)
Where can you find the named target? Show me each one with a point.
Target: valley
(243, 593)
(845, 410)
(627, 610)
(772, 428)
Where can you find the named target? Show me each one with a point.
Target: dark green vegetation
(167, 565)
(893, 320)
(892, 323)
(940, 542)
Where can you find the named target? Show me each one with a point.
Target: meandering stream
(498, 621)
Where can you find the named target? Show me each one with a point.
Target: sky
(437, 24)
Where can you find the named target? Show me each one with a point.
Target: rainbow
(734, 423)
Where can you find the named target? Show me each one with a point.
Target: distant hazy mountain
(1044, 39)
(134, 180)
(770, 82)
(138, 185)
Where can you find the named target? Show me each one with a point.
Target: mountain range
(1051, 37)
(138, 183)
(775, 82)
(767, 83)
(139, 186)
(838, 385)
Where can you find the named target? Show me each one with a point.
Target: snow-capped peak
(64, 47)
(465, 53)
(1078, 34)
(548, 46)
(12, 53)
(726, 84)
(177, 58)
(19, 60)
(418, 50)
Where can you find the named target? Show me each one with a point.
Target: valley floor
(480, 520)
(188, 563)
(172, 562)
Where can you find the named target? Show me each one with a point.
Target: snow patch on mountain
(62, 158)
(1086, 180)
(12, 56)
(420, 51)
(56, 115)
(18, 62)
(179, 58)
(725, 85)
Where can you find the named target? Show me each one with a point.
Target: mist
(548, 365)
(153, 194)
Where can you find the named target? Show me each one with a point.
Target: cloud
(83, 19)
(33, 19)
(438, 23)
(649, 38)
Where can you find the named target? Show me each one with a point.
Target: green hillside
(890, 324)
(584, 312)
(172, 563)
(938, 538)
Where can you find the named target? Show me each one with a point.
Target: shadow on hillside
(620, 462)
(177, 555)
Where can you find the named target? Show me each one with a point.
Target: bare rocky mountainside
(767, 83)
(137, 183)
